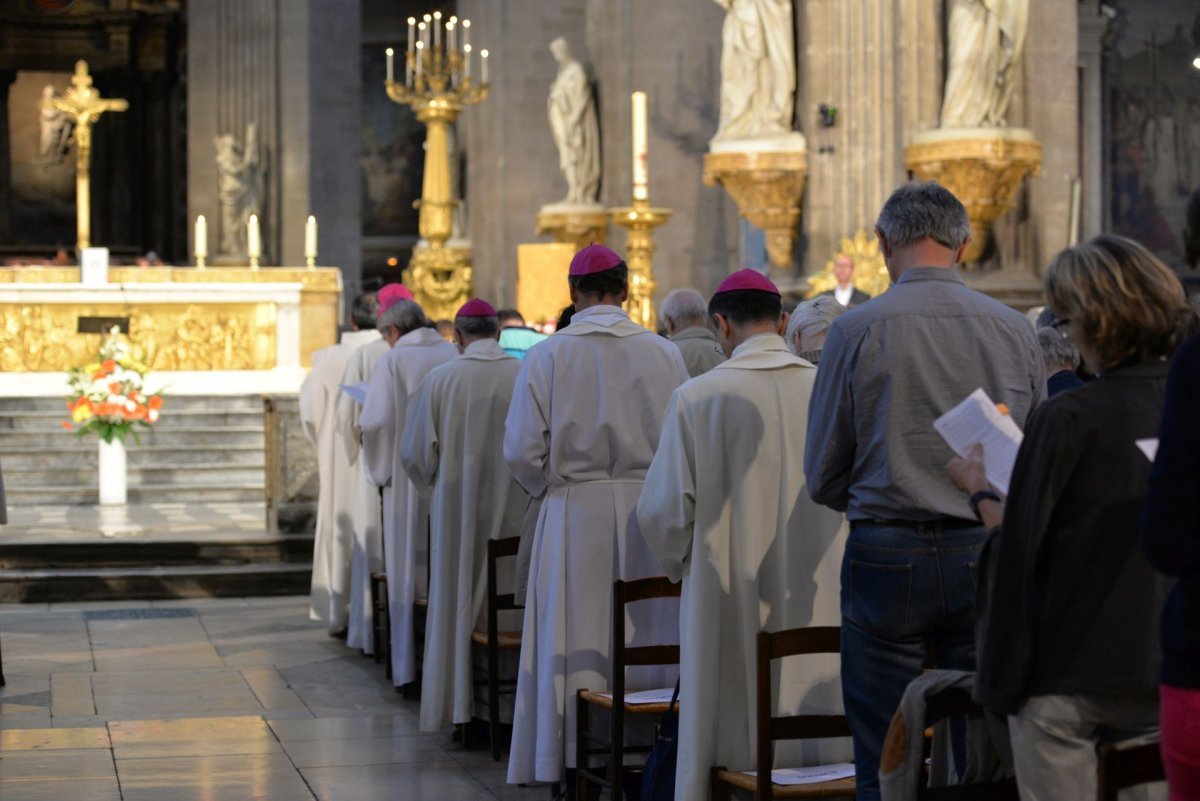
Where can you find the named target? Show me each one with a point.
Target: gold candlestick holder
(254, 263)
(639, 220)
(201, 262)
(439, 85)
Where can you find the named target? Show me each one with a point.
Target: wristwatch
(980, 497)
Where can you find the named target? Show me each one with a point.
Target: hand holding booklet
(977, 420)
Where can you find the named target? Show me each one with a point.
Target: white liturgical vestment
(453, 446)
(366, 555)
(335, 499)
(725, 508)
(405, 513)
(582, 429)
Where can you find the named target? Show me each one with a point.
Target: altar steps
(204, 449)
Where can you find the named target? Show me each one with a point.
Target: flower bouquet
(107, 396)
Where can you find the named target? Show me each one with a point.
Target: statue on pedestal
(572, 112)
(54, 129)
(239, 187)
(986, 39)
(758, 70)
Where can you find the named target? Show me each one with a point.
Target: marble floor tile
(50, 789)
(212, 746)
(47, 739)
(240, 727)
(158, 657)
(379, 751)
(168, 681)
(438, 781)
(71, 694)
(345, 728)
(62, 764)
(262, 777)
(140, 706)
(25, 720)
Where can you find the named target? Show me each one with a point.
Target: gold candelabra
(437, 85)
(82, 104)
(640, 220)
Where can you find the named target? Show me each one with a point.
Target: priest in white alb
(453, 448)
(415, 351)
(329, 594)
(582, 429)
(366, 556)
(725, 508)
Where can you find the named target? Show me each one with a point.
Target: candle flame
(466, 23)
(466, 48)
(412, 20)
(390, 51)
(421, 26)
(200, 218)
(483, 53)
(427, 18)
(420, 45)
(437, 15)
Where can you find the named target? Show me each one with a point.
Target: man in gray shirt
(685, 314)
(888, 370)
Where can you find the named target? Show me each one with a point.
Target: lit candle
(428, 20)
(451, 32)
(389, 64)
(310, 238)
(437, 29)
(483, 54)
(466, 23)
(201, 238)
(420, 50)
(412, 32)
(253, 238)
(640, 173)
(466, 62)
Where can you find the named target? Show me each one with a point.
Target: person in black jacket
(1067, 645)
(1171, 539)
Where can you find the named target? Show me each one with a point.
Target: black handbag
(658, 778)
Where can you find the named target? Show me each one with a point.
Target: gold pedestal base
(640, 220)
(576, 226)
(767, 187)
(983, 167)
(440, 280)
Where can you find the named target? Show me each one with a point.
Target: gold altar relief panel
(165, 337)
(870, 271)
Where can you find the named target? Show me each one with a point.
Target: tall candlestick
(483, 54)
(253, 241)
(466, 62)
(437, 29)
(389, 53)
(423, 28)
(420, 51)
(201, 240)
(466, 23)
(310, 241)
(412, 32)
(641, 178)
(450, 38)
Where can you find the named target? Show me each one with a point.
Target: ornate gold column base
(440, 280)
(983, 167)
(578, 226)
(640, 220)
(767, 187)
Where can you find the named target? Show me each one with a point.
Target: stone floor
(162, 522)
(215, 699)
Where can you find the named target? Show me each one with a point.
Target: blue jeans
(908, 603)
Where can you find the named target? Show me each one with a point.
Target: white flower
(152, 416)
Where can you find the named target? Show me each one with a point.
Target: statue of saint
(758, 70)
(239, 187)
(572, 112)
(55, 129)
(987, 38)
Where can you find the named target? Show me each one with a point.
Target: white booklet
(662, 696)
(1148, 447)
(977, 420)
(813, 775)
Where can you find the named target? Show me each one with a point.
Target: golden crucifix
(83, 106)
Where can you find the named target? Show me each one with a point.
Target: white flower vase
(112, 473)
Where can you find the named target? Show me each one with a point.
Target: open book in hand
(977, 420)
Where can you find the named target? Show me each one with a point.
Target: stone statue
(572, 112)
(55, 129)
(758, 70)
(239, 187)
(986, 40)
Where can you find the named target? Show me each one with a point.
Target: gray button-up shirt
(700, 348)
(888, 370)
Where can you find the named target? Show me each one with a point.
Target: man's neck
(588, 301)
(925, 253)
(740, 335)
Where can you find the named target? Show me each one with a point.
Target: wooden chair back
(623, 655)
(1127, 765)
(952, 703)
(770, 728)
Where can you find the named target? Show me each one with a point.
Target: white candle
(253, 237)
(483, 54)
(389, 64)
(420, 50)
(466, 23)
(450, 39)
(201, 237)
(412, 32)
(437, 29)
(466, 62)
(310, 238)
(641, 177)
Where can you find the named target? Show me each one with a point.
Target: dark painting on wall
(392, 155)
(1154, 133)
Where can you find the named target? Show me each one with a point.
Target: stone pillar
(1092, 28)
(879, 62)
(6, 79)
(295, 73)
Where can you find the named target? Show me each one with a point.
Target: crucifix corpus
(83, 106)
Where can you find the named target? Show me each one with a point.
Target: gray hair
(1057, 349)
(812, 317)
(923, 210)
(406, 315)
(685, 307)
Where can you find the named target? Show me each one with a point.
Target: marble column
(294, 71)
(1093, 167)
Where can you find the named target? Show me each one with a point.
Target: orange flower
(67, 425)
(99, 375)
(155, 403)
(108, 365)
(115, 387)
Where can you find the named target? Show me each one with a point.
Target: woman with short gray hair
(809, 325)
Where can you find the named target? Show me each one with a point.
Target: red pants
(1180, 715)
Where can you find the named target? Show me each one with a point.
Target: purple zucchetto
(476, 308)
(594, 259)
(747, 279)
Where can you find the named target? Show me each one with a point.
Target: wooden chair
(494, 640)
(1128, 765)
(957, 703)
(792, 642)
(623, 656)
(381, 626)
